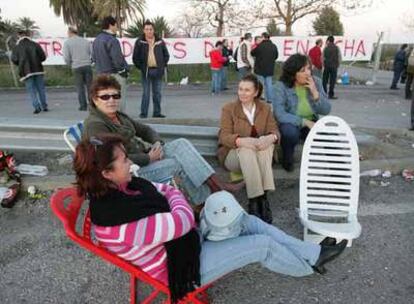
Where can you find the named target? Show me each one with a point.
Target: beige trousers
(256, 167)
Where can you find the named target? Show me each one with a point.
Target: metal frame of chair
(66, 205)
(329, 182)
(75, 132)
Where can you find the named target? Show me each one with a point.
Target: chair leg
(133, 290)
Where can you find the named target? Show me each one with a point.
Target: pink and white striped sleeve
(158, 228)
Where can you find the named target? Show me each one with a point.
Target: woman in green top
(299, 99)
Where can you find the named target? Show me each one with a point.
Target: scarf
(183, 254)
(126, 129)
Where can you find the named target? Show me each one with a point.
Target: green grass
(62, 75)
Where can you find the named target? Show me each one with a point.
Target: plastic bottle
(345, 78)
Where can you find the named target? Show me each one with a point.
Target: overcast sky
(387, 16)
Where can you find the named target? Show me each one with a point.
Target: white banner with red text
(196, 50)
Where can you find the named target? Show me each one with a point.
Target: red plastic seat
(66, 205)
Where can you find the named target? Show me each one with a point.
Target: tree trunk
(220, 27)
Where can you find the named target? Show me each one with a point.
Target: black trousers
(408, 85)
(329, 76)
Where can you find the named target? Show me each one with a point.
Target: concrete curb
(52, 182)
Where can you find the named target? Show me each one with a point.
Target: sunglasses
(107, 97)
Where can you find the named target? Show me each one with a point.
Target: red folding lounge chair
(66, 205)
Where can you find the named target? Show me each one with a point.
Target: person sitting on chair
(152, 226)
(299, 99)
(158, 162)
(247, 137)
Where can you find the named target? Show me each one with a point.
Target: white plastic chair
(329, 182)
(73, 134)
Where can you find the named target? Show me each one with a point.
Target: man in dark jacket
(227, 53)
(28, 56)
(265, 55)
(399, 65)
(331, 61)
(151, 57)
(108, 57)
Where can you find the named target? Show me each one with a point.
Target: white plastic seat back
(73, 135)
(329, 182)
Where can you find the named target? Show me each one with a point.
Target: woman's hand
(247, 142)
(155, 153)
(312, 88)
(308, 123)
(265, 142)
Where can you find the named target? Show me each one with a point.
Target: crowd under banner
(196, 50)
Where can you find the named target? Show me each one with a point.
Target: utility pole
(377, 58)
(16, 84)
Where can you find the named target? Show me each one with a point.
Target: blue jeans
(243, 72)
(268, 87)
(291, 134)
(258, 242)
(224, 77)
(397, 74)
(35, 86)
(83, 80)
(216, 81)
(156, 84)
(182, 159)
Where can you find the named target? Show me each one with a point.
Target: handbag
(221, 217)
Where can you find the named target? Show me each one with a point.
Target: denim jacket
(285, 103)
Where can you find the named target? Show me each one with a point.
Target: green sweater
(304, 109)
(138, 137)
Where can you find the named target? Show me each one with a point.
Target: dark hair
(72, 29)
(266, 35)
(218, 43)
(247, 36)
(404, 46)
(23, 32)
(256, 83)
(319, 40)
(291, 66)
(102, 82)
(148, 22)
(107, 21)
(330, 39)
(92, 156)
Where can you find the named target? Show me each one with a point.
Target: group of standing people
(258, 58)
(150, 57)
(325, 64)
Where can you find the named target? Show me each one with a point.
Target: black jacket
(331, 56)
(28, 56)
(226, 52)
(140, 56)
(265, 55)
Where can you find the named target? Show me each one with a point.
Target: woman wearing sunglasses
(158, 162)
(152, 225)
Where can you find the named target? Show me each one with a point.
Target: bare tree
(290, 11)
(225, 15)
(192, 24)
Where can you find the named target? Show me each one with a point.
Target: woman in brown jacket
(248, 133)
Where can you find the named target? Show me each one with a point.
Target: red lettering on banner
(180, 48)
(126, 48)
(287, 47)
(57, 47)
(360, 48)
(304, 48)
(349, 47)
(44, 45)
(208, 46)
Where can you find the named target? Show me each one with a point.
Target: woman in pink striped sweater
(153, 227)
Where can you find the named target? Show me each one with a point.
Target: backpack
(221, 217)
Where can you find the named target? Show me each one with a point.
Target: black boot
(266, 211)
(255, 207)
(328, 241)
(328, 253)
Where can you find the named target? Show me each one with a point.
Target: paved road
(363, 106)
(39, 264)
